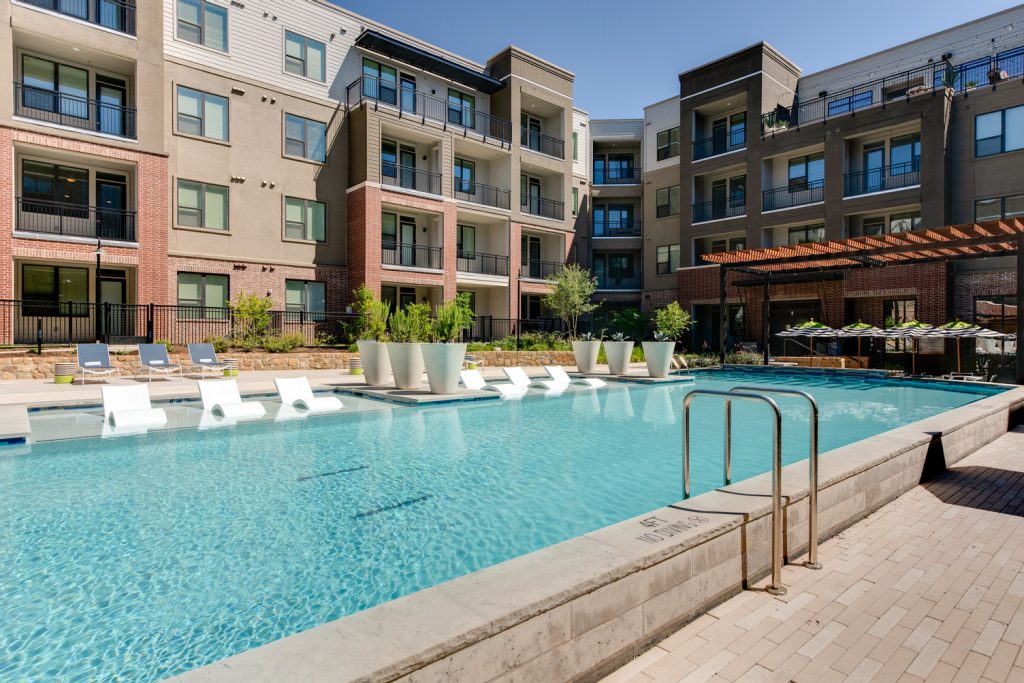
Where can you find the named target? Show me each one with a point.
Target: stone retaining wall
(524, 359)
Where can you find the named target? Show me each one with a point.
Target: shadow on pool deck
(983, 488)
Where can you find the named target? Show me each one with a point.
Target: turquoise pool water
(140, 557)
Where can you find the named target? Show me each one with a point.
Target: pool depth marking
(332, 473)
(386, 508)
(658, 529)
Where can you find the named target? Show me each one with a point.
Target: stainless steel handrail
(775, 587)
(812, 489)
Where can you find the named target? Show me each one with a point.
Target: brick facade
(969, 285)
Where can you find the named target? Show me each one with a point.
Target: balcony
(881, 179)
(539, 270)
(73, 111)
(545, 144)
(617, 228)
(411, 255)
(546, 208)
(410, 178)
(719, 144)
(619, 282)
(618, 176)
(793, 195)
(482, 264)
(117, 15)
(719, 208)
(478, 193)
(74, 220)
(418, 104)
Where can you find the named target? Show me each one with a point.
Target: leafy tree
(629, 321)
(411, 324)
(672, 321)
(574, 287)
(452, 318)
(251, 315)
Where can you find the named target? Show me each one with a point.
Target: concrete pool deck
(929, 587)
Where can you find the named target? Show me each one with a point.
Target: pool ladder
(757, 395)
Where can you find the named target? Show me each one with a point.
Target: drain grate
(396, 506)
(331, 474)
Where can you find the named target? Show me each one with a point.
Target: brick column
(515, 257)
(364, 239)
(449, 242)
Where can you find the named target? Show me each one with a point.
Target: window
(575, 200)
(203, 23)
(465, 241)
(999, 131)
(301, 296)
(874, 225)
(897, 312)
(905, 154)
(666, 201)
(50, 290)
(43, 183)
(201, 205)
(389, 230)
(305, 138)
(461, 108)
(997, 312)
(806, 172)
(199, 292)
(380, 81)
(668, 144)
(304, 56)
(905, 222)
(737, 129)
(202, 113)
(465, 176)
(305, 219)
(667, 259)
(807, 233)
(999, 207)
(54, 87)
(575, 144)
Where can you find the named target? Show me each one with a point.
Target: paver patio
(930, 587)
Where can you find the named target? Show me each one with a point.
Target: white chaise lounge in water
(519, 378)
(129, 410)
(221, 398)
(472, 379)
(558, 374)
(296, 392)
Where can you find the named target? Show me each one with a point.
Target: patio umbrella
(958, 329)
(860, 330)
(912, 329)
(810, 328)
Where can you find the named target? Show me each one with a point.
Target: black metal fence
(720, 144)
(479, 193)
(487, 329)
(482, 264)
(63, 109)
(545, 144)
(539, 270)
(616, 228)
(617, 175)
(410, 178)
(411, 255)
(59, 218)
(793, 195)
(539, 206)
(726, 207)
(117, 15)
(881, 179)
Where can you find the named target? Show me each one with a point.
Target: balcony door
(117, 322)
(530, 188)
(874, 167)
(719, 195)
(719, 136)
(111, 100)
(407, 241)
(531, 255)
(408, 93)
(407, 167)
(112, 206)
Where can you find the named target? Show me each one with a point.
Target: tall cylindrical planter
(406, 364)
(618, 354)
(374, 356)
(586, 355)
(443, 363)
(659, 357)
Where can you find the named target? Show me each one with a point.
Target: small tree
(411, 324)
(452, 318)
(629, 321)
(252, 320)
(571, 298)
(672, 321)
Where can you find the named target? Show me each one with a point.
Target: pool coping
(579, 609)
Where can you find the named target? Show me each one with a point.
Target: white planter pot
(406, 364)
(374, 356)
(586, 355)
(443, 362)
(618, 354)
(659, 357)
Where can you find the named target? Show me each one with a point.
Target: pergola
(984, 239)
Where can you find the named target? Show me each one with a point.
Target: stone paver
(929, 588)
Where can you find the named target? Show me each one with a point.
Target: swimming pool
(141, 557)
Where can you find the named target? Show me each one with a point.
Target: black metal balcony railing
(720, 144)
(116, 15)
(630, 175)
(70, 110)
(417, 103)
(903, 85)
(545, 144)
(479, 193)
(881, 179)
(74, 220)
(411, 255)
(539, 270)
(793, 195)
(616, 228)
(620, 282)
(410, 178)
(482, 264)
(720, 208)
(538, 206)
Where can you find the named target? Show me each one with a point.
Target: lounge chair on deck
(558, 374)
(94, 359)
(203, 358)
(153, 358)
(472, 379)
(519, 378)
(129, 409)
(221, 398)
(296, 392)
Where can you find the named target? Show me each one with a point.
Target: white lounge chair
(558, 374)
(472, 379)
(130, 410)
(154, 358)
(296, 392)
(519, 378)
(221, 397)
(94, 359)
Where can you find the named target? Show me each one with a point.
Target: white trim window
(202, 114)
(304, 56)
(305, 138)
(305, 219)
(202, 205)
(203, 23)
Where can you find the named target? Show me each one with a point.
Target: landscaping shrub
(251, 314)
(283, 343)
(220, 344)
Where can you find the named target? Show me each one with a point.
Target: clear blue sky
(628, 53)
